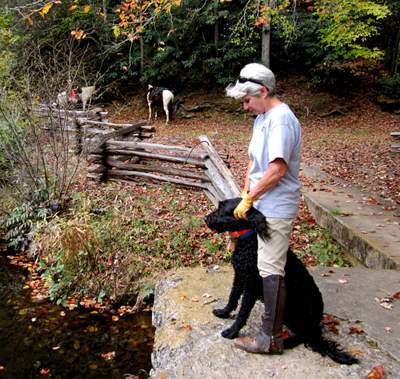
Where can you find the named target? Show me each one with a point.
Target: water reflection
(39, 340)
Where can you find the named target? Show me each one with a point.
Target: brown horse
(160, 96)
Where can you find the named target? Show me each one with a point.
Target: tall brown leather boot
(269, 340)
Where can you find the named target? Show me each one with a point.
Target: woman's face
(256, 104)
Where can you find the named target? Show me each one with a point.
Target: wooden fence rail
(127, 161)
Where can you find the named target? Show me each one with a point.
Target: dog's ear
(259, 223)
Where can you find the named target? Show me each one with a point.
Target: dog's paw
(229, 333)
(221, 313)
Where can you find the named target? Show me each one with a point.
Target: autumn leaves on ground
(144, 229)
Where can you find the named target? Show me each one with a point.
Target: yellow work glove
(243, 207)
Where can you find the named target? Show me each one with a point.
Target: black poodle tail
(332, 350)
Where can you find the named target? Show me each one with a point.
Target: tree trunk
(396, 57)
(266, 43)
(141, 55)
(216, 28)
(266, 36)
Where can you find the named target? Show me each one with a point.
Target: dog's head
(223, 220)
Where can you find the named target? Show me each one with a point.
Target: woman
(272, 186)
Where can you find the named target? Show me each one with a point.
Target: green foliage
(178, 42)
(19, 222)
(345, 26)
(325, 248)
(65, 279)
(389, 86)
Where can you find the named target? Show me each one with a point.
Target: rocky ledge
(189, 345)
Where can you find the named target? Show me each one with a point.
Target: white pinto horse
(157, 96)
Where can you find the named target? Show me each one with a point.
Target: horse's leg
(155, 111)
(168, 99)
(166, 110)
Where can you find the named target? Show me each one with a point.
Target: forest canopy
(199, 43)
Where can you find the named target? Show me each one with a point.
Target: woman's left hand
(244, 206)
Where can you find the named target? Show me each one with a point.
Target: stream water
(39, 340)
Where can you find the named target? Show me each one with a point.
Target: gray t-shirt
(277, 134)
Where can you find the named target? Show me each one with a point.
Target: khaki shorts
(272, 254)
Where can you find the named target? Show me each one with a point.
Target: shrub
(389, 86)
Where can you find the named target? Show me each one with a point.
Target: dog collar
(242, 234)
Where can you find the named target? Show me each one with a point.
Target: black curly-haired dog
(304, 304)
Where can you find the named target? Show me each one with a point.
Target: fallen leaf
(355, 330)
(332, 328)
(377, 373)
(325, 274)
(109, 356)
(330, 320)
(188, 327)
(45, 371)
(386, 306)
(207, 295)
(389, 208)
(356, 352)
(389, 330)
(342, 281)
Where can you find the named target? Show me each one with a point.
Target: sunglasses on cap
(242, 79)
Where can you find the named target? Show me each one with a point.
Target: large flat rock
(188, 343)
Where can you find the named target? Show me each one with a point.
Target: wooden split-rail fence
(199, 167)
(116, 152)
(89, 127)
